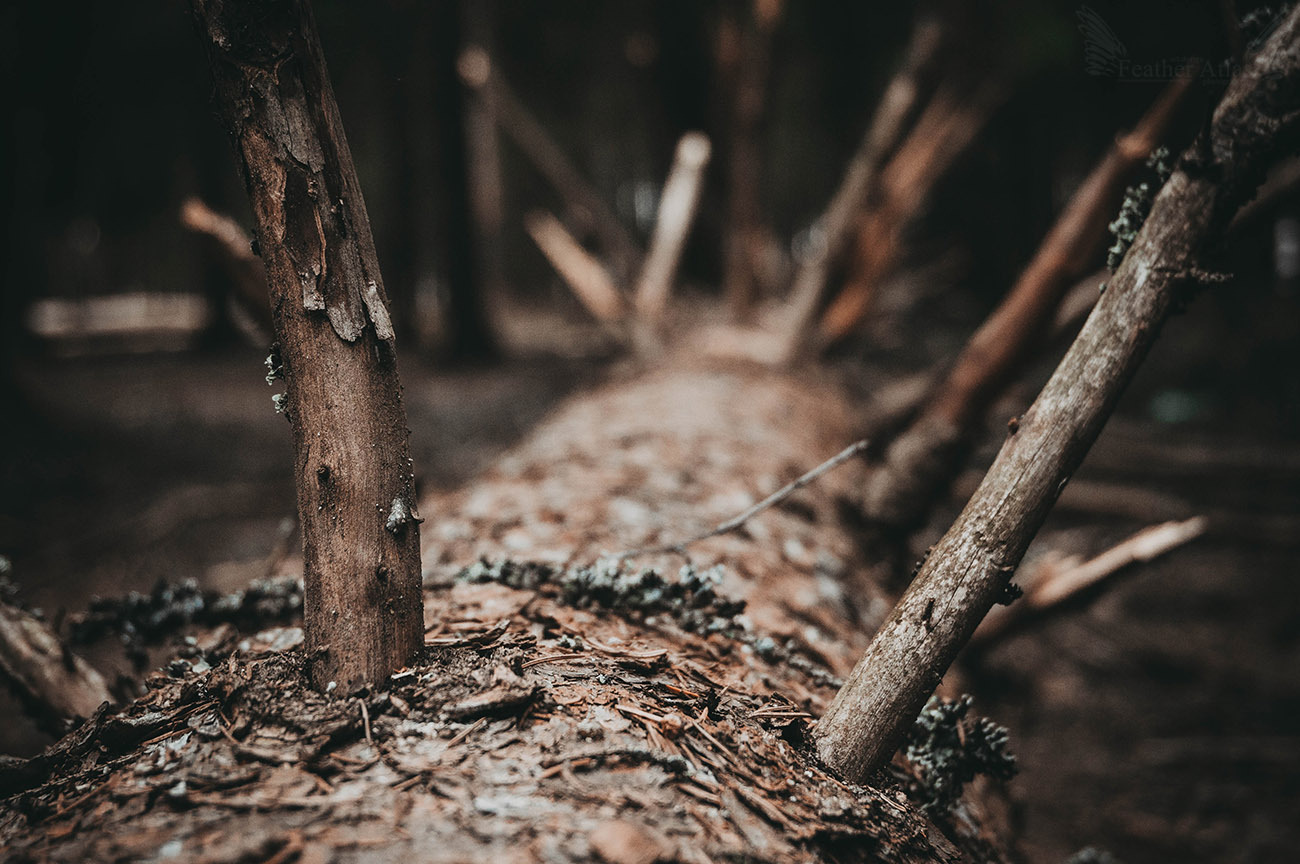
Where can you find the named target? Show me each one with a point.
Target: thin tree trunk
(968, 571)
(468, 333)
(744, 210)
(487, 189)
(356, 496)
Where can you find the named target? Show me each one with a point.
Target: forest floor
(1159, 722)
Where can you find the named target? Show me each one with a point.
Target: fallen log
(560, 710)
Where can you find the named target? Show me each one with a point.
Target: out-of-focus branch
(581, 272)
(924, 458)
(53, 682)
(233, 248)
(677, 208)
(1051, 586)
(894, 115)
(948, 125)
(479, 72)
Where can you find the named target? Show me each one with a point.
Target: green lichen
(1136, 207)
(948, 748)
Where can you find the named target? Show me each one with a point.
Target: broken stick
(677, 208)
(1053, 585)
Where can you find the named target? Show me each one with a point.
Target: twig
(581, 271)
(741, 518)
(365, 720)
(1055, 586)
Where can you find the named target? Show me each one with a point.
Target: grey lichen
(691, 600)
(274, 365)
(275, 372)
(1136, 207)
(948, 749)
(400, 515)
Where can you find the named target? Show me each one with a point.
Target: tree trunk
(469, 334)
(745, 157)
(356, 496)
(968, 571)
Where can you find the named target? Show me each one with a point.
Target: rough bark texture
(356, 496)
(969, 568)
(541, 726)
(923, 460)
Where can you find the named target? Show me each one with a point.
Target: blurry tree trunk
(744, 233)
(483, 157)
(356, 497)
(947, 127)
(905, 94)
(468, 334)
(968, 570)
(924, 458)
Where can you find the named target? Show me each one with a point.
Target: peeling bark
(1256, 122)
(330, 312)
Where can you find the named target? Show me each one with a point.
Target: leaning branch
(677, 208)
(1257, 121)
(55, 684)
(950, 122)
(536, 143)
(584, 275)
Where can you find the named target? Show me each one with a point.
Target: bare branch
(677, 208)
(585, 275)
(1051, 586)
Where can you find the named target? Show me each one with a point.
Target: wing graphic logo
(1103, 52)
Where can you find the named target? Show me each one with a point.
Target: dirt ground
(1158, 722)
